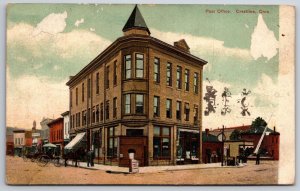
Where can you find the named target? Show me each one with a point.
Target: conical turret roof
(136, 20)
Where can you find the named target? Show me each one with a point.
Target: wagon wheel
(43, 160)
(25, 158)
(56, 162)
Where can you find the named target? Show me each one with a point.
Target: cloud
(52, 24)
(202, 45)
(65, 45)
(78, 22)
(263, 41)
(31, 98)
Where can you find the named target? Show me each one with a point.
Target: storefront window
(161, 142)
(112, 143)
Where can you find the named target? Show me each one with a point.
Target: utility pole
(222, 158)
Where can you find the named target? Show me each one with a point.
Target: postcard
(150, 94)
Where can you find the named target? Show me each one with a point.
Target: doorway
(133, 147)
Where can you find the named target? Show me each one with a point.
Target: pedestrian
(257, 158)
(92, 157)
(88, 157)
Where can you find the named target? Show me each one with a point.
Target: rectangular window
(88, 116)
(156, 106)
(178, 110)
(196, 82)
(127, 103)
(139, 103)
(139, 67)
(107, 78)
(169, 74)
(97, 83)
(187, 79)
(82, 92)
(161, 143)
(76, 96)
(94, 114)
(115, 73)
(97, 113)
(112, 143)
(107, 110)
(127, 66)
(196, 114)
(89, 88)
(156, 70)
(115, 107)
(178, 77)
(101, 112)
(187, 111)
(83, 118)
(169, 108)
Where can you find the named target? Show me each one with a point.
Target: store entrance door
(133, 147)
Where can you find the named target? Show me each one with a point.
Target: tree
(235, 135)
(258, 125)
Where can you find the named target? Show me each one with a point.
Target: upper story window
(127, 103)
(169, 108)
(178, 77)
(139, 103)
(97, 113)
(94, 114)
(114, 107)
(76, 96)
(196, 111)
(169, 74)
(187, 79)
(115, 73)
(89, 88)
(196, 82)
(139, 67)
(107, 78)
(97, 83)
(107, 110)
(101, 112)
(127, 66)
(156, 106)
(82, 92)
(178, 110)
(156, 70)
(187, 111)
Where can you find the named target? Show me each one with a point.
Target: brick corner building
(142, 96)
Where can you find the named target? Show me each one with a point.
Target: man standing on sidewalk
(257, 158)
(88, 158)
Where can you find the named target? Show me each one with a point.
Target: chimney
(206, 132)
(274, 129)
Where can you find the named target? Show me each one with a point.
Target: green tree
(258, 125)
(235, 135)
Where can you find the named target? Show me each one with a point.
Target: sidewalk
(151, 169)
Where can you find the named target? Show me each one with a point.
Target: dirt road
(20, 172)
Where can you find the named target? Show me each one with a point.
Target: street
(23, 173)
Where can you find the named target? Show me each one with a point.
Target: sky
(47, 43)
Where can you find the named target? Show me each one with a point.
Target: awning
(189, 130)
(79, 137)
(49, 145)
